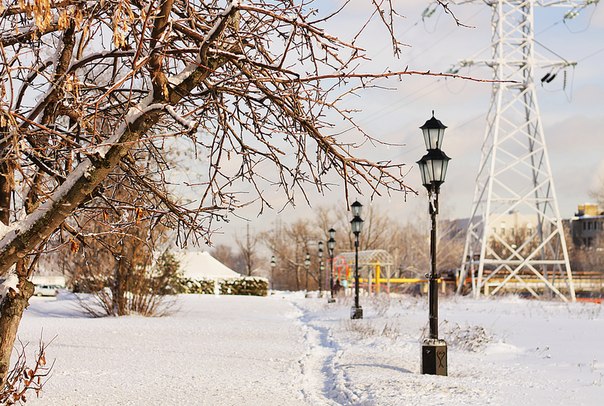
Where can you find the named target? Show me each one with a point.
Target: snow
(202, 265)
(177, 79)
(286, 349)
(10, 283)
(4, 229)
(28, 222)
(188, 124)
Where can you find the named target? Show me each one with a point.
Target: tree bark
(11, 311)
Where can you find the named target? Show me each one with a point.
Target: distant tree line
(289, 242)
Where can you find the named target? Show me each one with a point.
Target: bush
(195, 286)
(249, 286)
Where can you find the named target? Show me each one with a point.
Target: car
(47, 290)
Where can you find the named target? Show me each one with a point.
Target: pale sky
(572, 110)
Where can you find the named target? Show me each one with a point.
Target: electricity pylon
(515, 238)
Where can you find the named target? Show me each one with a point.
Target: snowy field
(289, 350)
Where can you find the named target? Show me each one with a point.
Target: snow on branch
(189, 125)
(9, 284)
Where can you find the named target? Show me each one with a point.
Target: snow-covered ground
(289, 350)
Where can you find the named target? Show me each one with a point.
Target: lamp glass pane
(423, 171)
(356, 208)
(436, 163)
(357, 224)
(444, 169)
(433, 131)
(331, 244)
(430, 170)
(433, 137)
(332, 233)
(437, 170)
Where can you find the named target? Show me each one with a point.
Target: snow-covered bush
(367, 329)
(195, 286)
(250, 286)
(467, 338)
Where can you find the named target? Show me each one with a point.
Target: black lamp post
(433, 168)
(331, 245)
(321, 268)
(357, 224)
(273, 265)
(307, 266)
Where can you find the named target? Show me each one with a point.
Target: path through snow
(289, 350)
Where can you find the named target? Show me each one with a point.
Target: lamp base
(434, 357)
(356, 312)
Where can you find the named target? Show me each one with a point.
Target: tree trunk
(11, 311)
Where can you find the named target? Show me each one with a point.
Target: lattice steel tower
(515, 237)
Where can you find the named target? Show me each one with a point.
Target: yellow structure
(589, 209)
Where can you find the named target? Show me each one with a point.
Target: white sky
(572, 112)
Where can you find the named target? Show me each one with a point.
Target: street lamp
(320, 267)
(357, 224)
(331, 245)
(433, 168)
(307, 267)
(273, 265)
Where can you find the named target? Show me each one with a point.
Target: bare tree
(408, 243)
(598, 193)
(90, 87)
(119, 270)
(378, 227)
(224, 253)
(247, 249)
(289, 244)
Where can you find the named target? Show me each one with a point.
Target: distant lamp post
(331, 246)
(273, 265)
(357, 225)
(307, 267)
(433, 168)
(320, 268)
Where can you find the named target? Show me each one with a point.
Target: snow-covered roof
(201, 265)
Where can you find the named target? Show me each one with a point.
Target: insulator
(550, 78)
(564, 81)
(428, 12)
(571, 14)
(546, 77)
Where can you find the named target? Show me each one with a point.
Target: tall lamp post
(320, 268)
(433, 168)
(357, 224)
(331, 245)
(273, 265)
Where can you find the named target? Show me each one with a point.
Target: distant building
(587, 226)
(511, 226)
